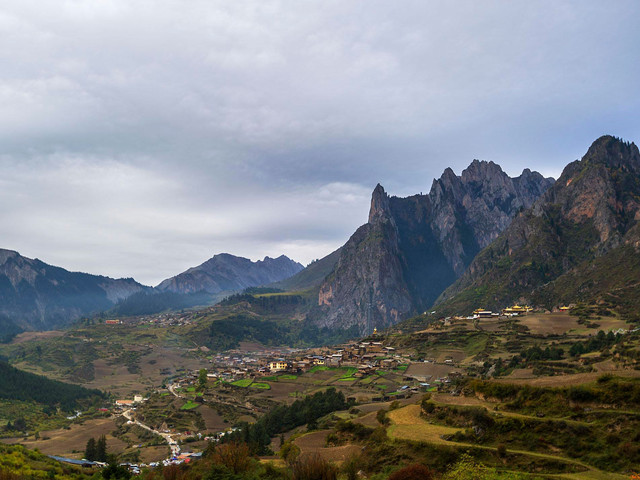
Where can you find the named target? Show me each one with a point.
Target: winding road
(173, 445)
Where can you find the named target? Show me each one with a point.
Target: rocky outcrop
(228, 273)
(412, 248)
(38, 296)
(577, 226)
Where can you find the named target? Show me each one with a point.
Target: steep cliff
(34, 295)
(579, 241)
(228, 273)
(412, 248)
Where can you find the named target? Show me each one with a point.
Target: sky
(139, 138)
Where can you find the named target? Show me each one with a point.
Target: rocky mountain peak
(379, 205)
(412, 248)
(6, 255)
(481, 171)
(614, 152)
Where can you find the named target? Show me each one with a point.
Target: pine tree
(90, 451)
(101, 449)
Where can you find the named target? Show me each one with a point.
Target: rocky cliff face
(412, 248)
(583, 221)
(35, 295)
(228, 273)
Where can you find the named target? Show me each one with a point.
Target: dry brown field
(433, 369)
(71, 443)
(154, 454)
(563, 380)
(408, 425)
(549, 323)
(314, 442)
(213, 422)
(30, 336)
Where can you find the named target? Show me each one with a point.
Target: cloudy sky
(139, 138)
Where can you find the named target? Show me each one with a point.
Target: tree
(20, 424)
(101, 449)
(91, 451)
(202, 379)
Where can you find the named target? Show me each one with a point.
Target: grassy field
(408, 425)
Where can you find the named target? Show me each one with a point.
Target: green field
(189, 405)
(260, 385)
(245, 382)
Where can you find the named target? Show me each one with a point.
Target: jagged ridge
(412, 248)
(579, 241)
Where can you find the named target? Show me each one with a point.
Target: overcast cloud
(139, 138)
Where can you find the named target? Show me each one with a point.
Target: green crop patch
(245, 382)
(189, 405)
(261, 386)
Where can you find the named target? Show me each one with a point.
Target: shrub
(412, 472)
(382, 418)
(234, 456)
(313, 467)
(502, 450)
(289, 452)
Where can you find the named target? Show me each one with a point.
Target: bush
(502, 450)
(313, 467)
(382, 418)
(234, 456)
(412, 472)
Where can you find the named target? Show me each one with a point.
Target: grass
(260, 385)
(320, 368)
(288, 377)
(347, 379)
(189, 405)
(245, 382)
(408, 425)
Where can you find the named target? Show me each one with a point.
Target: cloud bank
(140, 138)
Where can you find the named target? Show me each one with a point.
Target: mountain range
(580, 241)
(480, 239)
(38, 296)
(34, 295)
(412, 248)
(228, 273)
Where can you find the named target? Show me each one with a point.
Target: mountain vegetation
(286, 417)
(312, 276)
(24, 386)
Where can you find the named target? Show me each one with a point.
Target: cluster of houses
(361, 355)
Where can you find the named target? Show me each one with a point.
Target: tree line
(18, 385)
(286, 417)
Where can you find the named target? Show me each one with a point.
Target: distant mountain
(312, 276)
(579, 242)
(412, 248)
(228, 273)
(34, 295)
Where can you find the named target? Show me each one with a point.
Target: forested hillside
(18, 385)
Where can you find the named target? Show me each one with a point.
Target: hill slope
(18, 385)
(412, 248)
(34, 295)
(312, 276)
(579, 241)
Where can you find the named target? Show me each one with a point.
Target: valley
(434, 358)
(490, 326)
